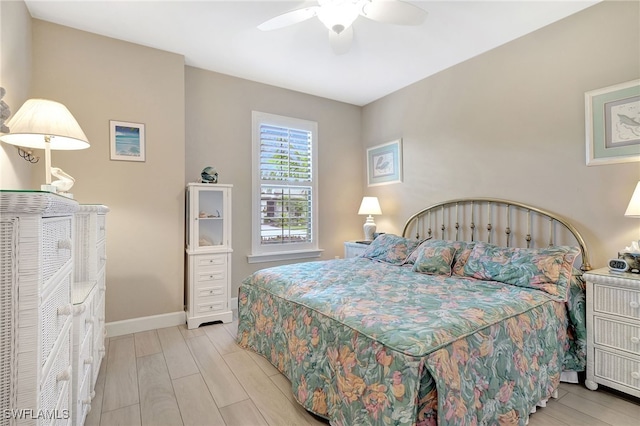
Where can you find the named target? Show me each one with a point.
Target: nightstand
(613, 330)
(354, 249)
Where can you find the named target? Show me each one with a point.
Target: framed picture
(384, 163)
(612, 116)
(127, 141)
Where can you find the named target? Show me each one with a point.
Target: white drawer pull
(64, 244)
(78, 309)
(635, 340)
(65, 310)
(634, 304)
(635, 375)
(65, 375)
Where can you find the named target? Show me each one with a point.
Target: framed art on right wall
(612, 116)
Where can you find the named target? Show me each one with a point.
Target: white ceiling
(222, 36)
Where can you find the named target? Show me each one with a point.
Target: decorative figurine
(209, 175)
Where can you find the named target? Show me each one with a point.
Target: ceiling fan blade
(289, 18)
(341, 43)
(393, 12)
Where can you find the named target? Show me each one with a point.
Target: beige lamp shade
(633, 210)
(38, 119)
(370, 205)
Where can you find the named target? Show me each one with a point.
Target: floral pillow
(389, 248)
(548, 269)
(461, 257)
(414, 255)
(435, 257)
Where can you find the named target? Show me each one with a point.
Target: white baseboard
(136, 325)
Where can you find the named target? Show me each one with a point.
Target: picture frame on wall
(127, 141)
(612, 116)
(384, 163)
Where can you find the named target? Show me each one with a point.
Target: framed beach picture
(127, 141)
(612, 116)
(384, 163)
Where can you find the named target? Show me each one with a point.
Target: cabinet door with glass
(208, 218)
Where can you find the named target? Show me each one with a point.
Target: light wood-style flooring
(175, 376)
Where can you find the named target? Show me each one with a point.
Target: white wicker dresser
(52, 264)
(36, 230)
(88, 304)
(613, 330)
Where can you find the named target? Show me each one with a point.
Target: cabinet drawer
(616, 301)
(56, 245)
(213, 291)
(59, 374)
(55, 310)
(215, 306)
(210, 260)
(205, 278)
(616, 368)
(617, 335)
(101, 227)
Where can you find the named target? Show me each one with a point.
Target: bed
(456, 321)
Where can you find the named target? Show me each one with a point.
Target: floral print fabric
(435, 257)
(370, 343)
(392, 249)
(547, 269)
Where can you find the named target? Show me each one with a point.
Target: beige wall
(15, 77)
(101, 79)
(218, 133)
(510, 124)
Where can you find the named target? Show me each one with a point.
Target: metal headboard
(496, 221)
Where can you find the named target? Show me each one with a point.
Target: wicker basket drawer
(55, 310)
(617, 301)
(617, 335)
(56, 245)
(59, 375)
(616, 368)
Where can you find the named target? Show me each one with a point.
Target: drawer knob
(65, 310)
(635, 340)
(634, 304)
(64, 244)
(635, 375)
(65, 375)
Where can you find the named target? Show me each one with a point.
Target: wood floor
(174, 376)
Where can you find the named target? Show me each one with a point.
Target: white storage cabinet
(208, 248)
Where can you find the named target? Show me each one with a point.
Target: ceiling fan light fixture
(338, 15)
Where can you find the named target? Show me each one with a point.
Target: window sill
(284, 255)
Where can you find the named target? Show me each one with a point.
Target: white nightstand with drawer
(613, 330)
(354, 248)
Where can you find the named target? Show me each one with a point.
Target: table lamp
(369, 206)
(48, 125)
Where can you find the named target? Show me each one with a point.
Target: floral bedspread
(370, 343)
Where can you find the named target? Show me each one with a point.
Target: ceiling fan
(338, 15)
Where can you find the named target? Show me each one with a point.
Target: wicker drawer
(617, 335)
(616, 301)
(616, 368)
(101, 227)
(58, 377)
(56, 245)
(55, 310)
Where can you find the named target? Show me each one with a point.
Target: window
(285, 192)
